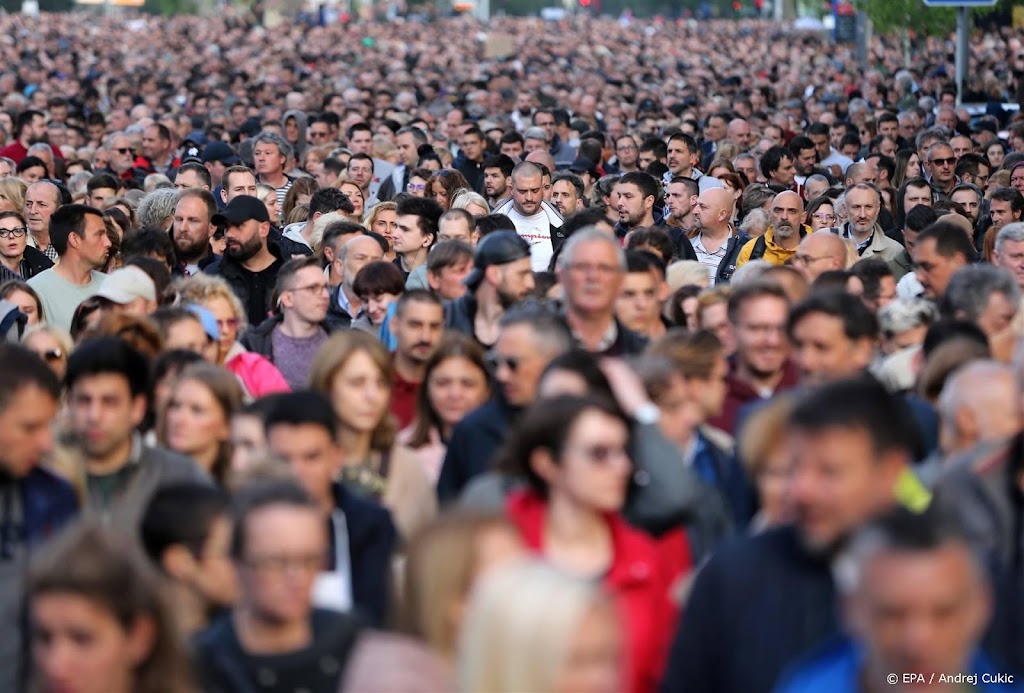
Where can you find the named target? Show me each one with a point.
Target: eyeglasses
(310, 563)
(943, 162)
(824, 217)
(123, 150)
(16, 232)
(319, 135)
(416, 187)
(807, 259)
(496, 361)
(312, 289)
(230, 322)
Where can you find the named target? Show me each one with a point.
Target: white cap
(127, 284)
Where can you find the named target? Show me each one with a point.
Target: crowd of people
(380, 357)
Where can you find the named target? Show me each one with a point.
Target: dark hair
(428, 211)
(949, 239)
(871, 271)
(858, 403)
(494, 222)
(970, 163)
(511, 137)
(581, 220)
(919, 218)
(643, 262)
(102, 181)
(193, 167)
(181, 513)
(858, 321)
(301, 408)
(574, 180)
(655, 237)
(947, 330)
(155, 270)
(25, 119)
(901, 213)
(67, 220)
(12, 285)
(262, 493)
(21, 368)
(147, 242)
(448, 254)
(546, 425)
(1011, 195)
(327, 200)
(378, 277)
(587, 366)
(647, 183)
(501, 161)
(655, 145)
(109, 356)
(801, 143)
(772, 160)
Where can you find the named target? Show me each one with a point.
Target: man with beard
(863, 204)
(850, 446)
(633, 198)
(418, 325)
(501, 278)
(680, 197)
(31, 128)
(193, 228)
(682, 154)
(778, 245)
(535, 220)
(566, 192)
(250, 263)
(497, 178)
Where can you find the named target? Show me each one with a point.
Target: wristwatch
(647, 414)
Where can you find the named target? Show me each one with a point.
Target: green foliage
(889, 16)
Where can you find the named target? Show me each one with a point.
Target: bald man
(543, 157)
(819, 253)
(715, 242)
(778, 245)
(978, 405)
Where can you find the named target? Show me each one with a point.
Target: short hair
(1011, 195)
(108, 356)
(156, 206)
(426, 209)
(302, 408)
(906, 314)
(511, 137)
(327, 200)
(418, 136)
(949, 239)
(655, 237)
(574, 180)
(291, 268)
(971, 287)
(643, 262)
(102, 181)
(920, 218)
(198, 169)
(800, 143)
(548, 329)
(67, 220)
(181, 513)
(501, 161)
(379, 277)
(496, 222)
(656, 146)
(232, 170)
(448, 254)
(266, 137)
(21, 368)
(260, 494)
(416, 296)
(970, 163)
(858, 321)
(1013, 232)
(771, 160)
(860, 403)
(359, 156)
(871, 271)
(752, 290)
(688, 140)
(25, 119)
(693, 354)
(145, 242)
(647, 183)
(204, 196)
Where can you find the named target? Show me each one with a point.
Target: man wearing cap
(128, 291)
(535, 220)
(218, 157)
(501, 278)
(251, 261)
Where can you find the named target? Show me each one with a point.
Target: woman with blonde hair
(12, 194)
(354, 370)
(762, 451)
(354, 193)
(530, 627)
(258, 375)
(382, 218)
(197, 419)
(268, 196)
(472, 202)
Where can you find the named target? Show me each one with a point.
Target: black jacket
(756, 606)
(241, 281)
(33, 262)
(460, 315)
(727, 266)
(287, 246)
(337, 317)
(473, 445)
(372, 539)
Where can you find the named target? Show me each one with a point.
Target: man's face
(104, 413)
(94, 245)
(418, 330)
(630, 203)
(98, 196)
(448, 283)
(564, 198)
(760, 331)
(915, 196)
(534, 145)
(981, 178)
(472, 146)
(862, 208)
(216, 169)
(495, 183)
(306, 296)
(592, 280)
(527, 193)
(837, 483)
(285, 549)
(192, 228)
(943, 164)
(837, 132)
(519, 364)
(997, 315)
(407, 149)
(785, 173)
(319, 133)
(680, 158)
(512, 149)
(311, 455)
(745, 165)
(40, 204)
(153, 146)
(455, 229)
(362, 142)
(1002, 213)
(361, 172)
(715, 128)
(513, 281)
(969, 201)
(637, 306)
(787, 215)
(679, 200)
(359, 252)
(961, 145)
(1010, 257)
(822, 351)
(240, 183)
(920, 611)
(189, 179)
(408, 237)
(932, 269)
(244, 241)
(888, 128)
(868, 173)
(546, 121)
(26, 433)
(37, 130)
(646, 158)
(822, 145)
(268, 159)
(805, 161)
(626, 151)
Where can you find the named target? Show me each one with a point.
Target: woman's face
(773, 486)
(79, 646)
(49, 350)
(439, 193)
(718, 171)
(196, 424)
(417, 187)
(32, 174)
(995, 156)
(270, 200)
(386, 224)
(313, 165)
(913, 167)
(594, 662)
(355, 195)
(360, 393)
(594, 468)
(26, 304)
(691, 308)
(476, 210)
(227, 320)
(377, 307)
(456, 387)
(189, 335)
(823, 217)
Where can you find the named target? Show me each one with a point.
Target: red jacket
(639, 580)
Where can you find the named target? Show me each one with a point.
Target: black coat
(372, 539)
(33, 262)
(472, 447)
(756, 607)
(240, 280)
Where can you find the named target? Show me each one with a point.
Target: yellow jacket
(774, 254)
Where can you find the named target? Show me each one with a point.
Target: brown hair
(139, 333)
(333, 356)
(303, 185)
(693, 354)
(453, 345)
(763, 432)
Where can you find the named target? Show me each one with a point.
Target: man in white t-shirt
(535, 220)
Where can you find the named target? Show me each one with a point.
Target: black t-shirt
(261, 287)
(224, 667)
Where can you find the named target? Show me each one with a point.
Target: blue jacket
(472, 447)
(836, 667)
(49, 503)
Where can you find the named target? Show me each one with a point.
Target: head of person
(498, 176)
(501, 263)
(352, 256)
(985, 295)
(457, 225)
(246, 226)
(186, 532)
(443, 562)
(354, 371)
(278, 546)
(192, 175)
(13, 236)
(214, 295)
(591, 269)
(99, 617)
(762, 447)
(638, 305)
(129, 291)
(758, 311)
(942, 163)
(916, 595)
(449, 264)
(682, 152)
(100, 188)
(850, 441)
(237, 180)
(416, 224)
(833, 335)
(530, 337)
(939, 251)
(863, 204)
(788, 215)
(557, 634)
(566, 192)
(778, 166)
(1008, 252)
(698, 361)
(408, 139)
(1006, 205)
(527, 188)
(29, 393)
(156, 142)
(270, 153)
(378, 284)
(41, 200)
(905, 322)
(193, 223)
(714, 209)
(634, 196)
(979, 404)
(681, 196)
(417, 325)
(821, 213)
(819, 253)
(302, 290)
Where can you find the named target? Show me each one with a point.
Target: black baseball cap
(220, 151)
(496, 248)
(582, 165)
(240, 210)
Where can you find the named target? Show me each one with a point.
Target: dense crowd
(589, 356)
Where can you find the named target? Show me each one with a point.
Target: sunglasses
(944, 162)
(496, 361)
(123, 150)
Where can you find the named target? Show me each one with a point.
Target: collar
(607, 339)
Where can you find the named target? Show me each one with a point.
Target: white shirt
(709, 260)
(536, 229)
